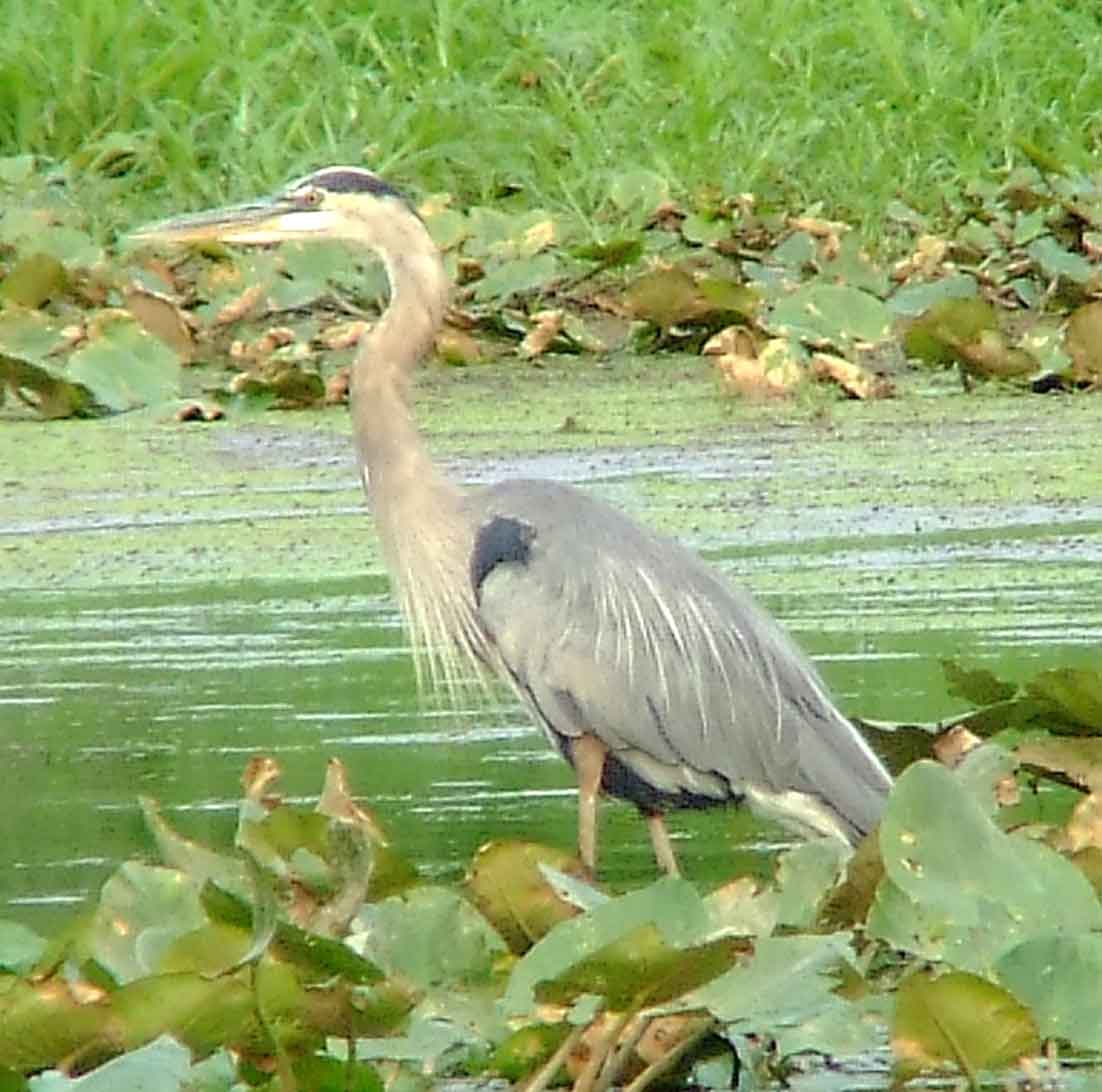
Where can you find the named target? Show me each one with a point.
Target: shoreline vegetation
(867, 234)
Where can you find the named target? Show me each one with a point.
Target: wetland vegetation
(816, 291)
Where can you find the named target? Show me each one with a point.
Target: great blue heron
(654, 678)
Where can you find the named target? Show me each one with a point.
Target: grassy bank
(179, 102)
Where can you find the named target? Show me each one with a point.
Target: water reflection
(166, 692)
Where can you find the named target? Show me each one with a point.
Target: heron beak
(257, 222)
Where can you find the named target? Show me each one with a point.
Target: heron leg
(588, 755)
(663, 847)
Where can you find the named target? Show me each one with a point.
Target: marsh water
(156, 634)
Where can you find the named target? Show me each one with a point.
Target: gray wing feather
(609, 629)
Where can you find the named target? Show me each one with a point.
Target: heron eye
(310, 198)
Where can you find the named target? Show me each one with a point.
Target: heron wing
(609, 629)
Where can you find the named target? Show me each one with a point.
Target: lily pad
(124, 367)
(957, 888)
(959, 1021)
(160, 1066)
(1060, 978)
(831, 313)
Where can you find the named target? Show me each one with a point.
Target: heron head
(332, 203)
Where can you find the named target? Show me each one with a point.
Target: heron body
(660, 682)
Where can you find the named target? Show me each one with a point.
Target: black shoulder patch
(500, 541)
(349, 180)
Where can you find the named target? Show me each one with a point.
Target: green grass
(845, 105)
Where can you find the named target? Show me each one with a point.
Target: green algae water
(179, 601)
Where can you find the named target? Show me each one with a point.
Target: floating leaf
(703, 230)
(856, 381)
(124, 367)
(612, 253)
(161, 1066)
(730, 297)
(510, 889)
(959, 1021)
(1084, 343)
(160, 317)
(1080, 760)
(20, 948)
(43, 1022)
(518, 277)
(805, 876)
(142, 910)
(671, 905)
(969, 891)
(431, 936)
(976, 685)
(638, 191)
(1057, 262)
(526, 1049)
(448, 227)
(1073, 694)
(912, 300)
(1060, 978)
(640, 968)
(835, 314)
(33, 280)
(665, 297)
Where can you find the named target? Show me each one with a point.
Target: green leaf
(976, 892)
(831, 313)
(671, 905)
(960, 1021)
(976, 685)
(510, 888)
(519, 277)
(915, 299)
(1074, 694)
(33, 280)
(430, 935)
(142, 910)
(1060, 978)
(125, 368)
(20, 948)
(704, 230)
(787, 991)
(638, 191)
(805, 876)
(1057, 262)
(161, 1066)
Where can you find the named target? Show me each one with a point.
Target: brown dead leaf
(260, 774)
(336, 802)
(457, 347)
(1084, 826)
(828, 232)
(926, 261)
(343, 335)
(856, 381)
(337, 387)
(668, 216)
(1084, 343)
(546, 326)
(240, 307)
(772, 373)
(72, 336)
(731, 340)
(198, 411)
(160, 317)
(468, 270)
(539, 236)
(950, 747)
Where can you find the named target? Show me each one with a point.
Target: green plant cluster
(314, 957)
(774, 300)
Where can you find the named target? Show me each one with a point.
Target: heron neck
(399, 469)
